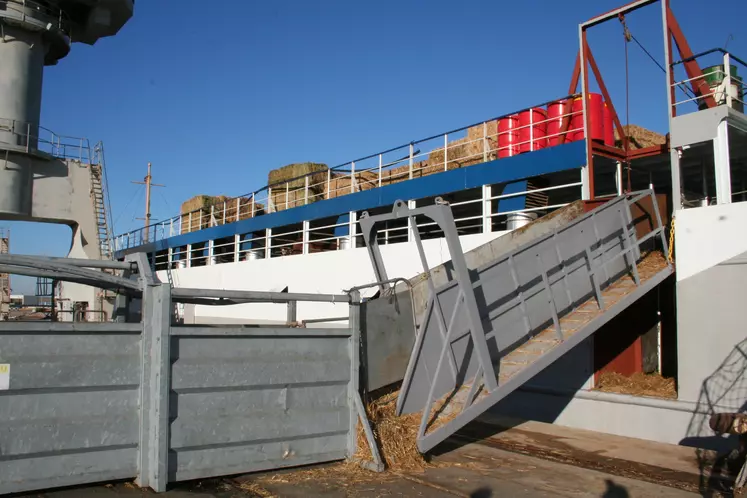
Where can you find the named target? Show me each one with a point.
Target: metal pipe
(85, 263)
(260, 296)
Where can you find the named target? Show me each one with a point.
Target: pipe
(273, 297)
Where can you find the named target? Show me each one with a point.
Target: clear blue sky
(217, 96)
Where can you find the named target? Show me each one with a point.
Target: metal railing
(43, 12)
(474, 144)
(473, 214)
(32, 138)
(729, 91)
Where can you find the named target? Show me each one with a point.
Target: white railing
(462, 147)
(730, 90)
(473, 215)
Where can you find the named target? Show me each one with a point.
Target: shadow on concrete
(481, 493)
(725, 390)
(614, 490)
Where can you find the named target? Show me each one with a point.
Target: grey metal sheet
(225, 460)
(71, 415)
(388, 333)
(243, 403)
(56, 470)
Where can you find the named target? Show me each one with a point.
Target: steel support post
(305, 237)
(487, 208)
(354, 322)
(154, 387)
(352, 219)
(189, 255)
(268, 243)
(236, 248)
(722, 163)
(412, 224)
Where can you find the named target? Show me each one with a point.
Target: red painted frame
(585, 57)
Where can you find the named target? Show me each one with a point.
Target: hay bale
(477, 131)
(640, 137)
(295, 173)
(461, 152)
(201, 202)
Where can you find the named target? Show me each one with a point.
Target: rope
(670, 256)
(627, 36)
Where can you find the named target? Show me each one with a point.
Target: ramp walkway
(486, 332)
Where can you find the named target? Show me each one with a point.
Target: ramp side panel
(388, 335)
(507, 322)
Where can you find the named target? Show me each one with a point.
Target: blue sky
(216, 97)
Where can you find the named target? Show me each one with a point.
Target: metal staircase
(487, 331)
(100, 201)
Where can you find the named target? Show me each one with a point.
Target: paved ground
(474, 471)
(484, 461)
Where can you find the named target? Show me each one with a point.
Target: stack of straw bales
(199, 211)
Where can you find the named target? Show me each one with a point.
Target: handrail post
(225, 208)
(254, 204)
(727, 80)
(238, 208)
(446, 151)
(352, 177)
(269, 199)
(306, 190)
(485, 141)
(380, 159)
(329, 182)
(287, 193)
(412, 148)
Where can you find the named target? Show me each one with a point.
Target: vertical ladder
(99, 199)
(4, 277)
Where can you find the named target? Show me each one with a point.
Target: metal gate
(161, 402)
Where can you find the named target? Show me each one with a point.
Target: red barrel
(555, 113)
(609, 127)
(596, 117)
(508, 136)
(532, 130)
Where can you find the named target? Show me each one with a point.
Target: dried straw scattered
(638, 384)
(395, 436)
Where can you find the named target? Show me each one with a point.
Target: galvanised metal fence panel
(245, 399)
(70, 414)
(507, 319)
(388, 331)
(83, 403)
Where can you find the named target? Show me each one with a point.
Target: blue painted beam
(559, 158)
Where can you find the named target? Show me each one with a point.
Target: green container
(714, 75)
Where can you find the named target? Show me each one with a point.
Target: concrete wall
(325, 272)
(711, 255)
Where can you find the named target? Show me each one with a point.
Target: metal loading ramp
(488, 331)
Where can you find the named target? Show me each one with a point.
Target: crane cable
(627, 36)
